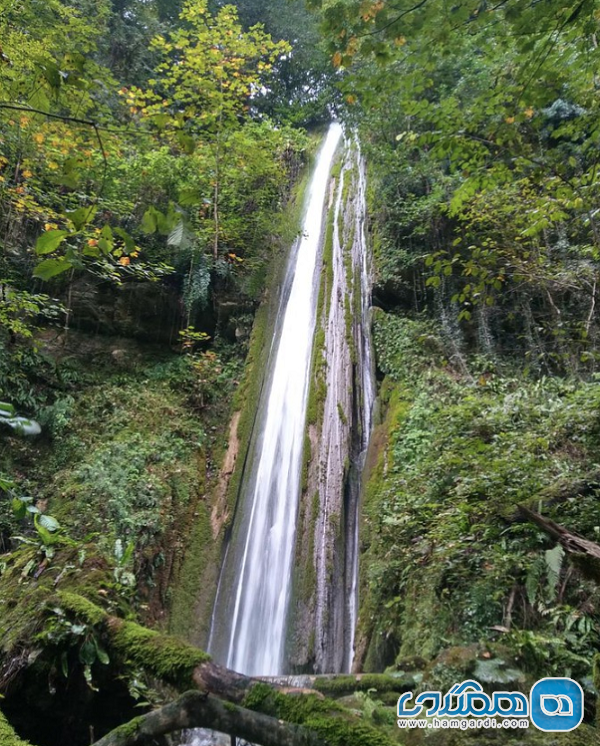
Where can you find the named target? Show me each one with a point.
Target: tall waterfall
(249, 623)
(323, 616)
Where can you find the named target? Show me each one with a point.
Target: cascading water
(249, 624)
(251, 629)
(365, 367)
(323, 616)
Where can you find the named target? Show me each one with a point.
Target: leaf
(6, 484)
(28, 567)
(186, 142)
(176, 236)
(49, 241)
(45, 535)
(149, 223)
(6, 409)
(101, 654)
(19, 508)
(128, 554)
(554, 559)
(87, 653)
(51, 267)
(82, 216)
(48, 522)
(127, 239)
(87, 673)
(189, 197)
(52, 75)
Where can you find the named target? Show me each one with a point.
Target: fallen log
(585, 554)
(224, 700)
(196, 710)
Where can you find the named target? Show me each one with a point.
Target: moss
(130, 729)
(7, 735)
(167, 658)
(328, 719)
(82, 608)
(191, 586)
(363, 683)
(307, 458)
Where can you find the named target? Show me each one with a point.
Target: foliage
(480, 127)
(447, 561)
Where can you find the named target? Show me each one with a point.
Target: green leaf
(189, 197)
(52, 75)
(149, 223)
(6, 484)
(127, 239)
(48, 522)
(45, 535)
(186, 142)
(6, 409)
(50, 241)
(87, 673)
(51, 267)
(19, 508)
(554, 559)
(101, 654)
(82, 216)
(87, 653)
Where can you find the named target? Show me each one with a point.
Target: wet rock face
(147, 310)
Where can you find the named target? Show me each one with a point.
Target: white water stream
(255, 587)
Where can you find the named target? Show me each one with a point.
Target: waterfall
(323, 618)
(252, 625)
(249, 623)
(365, 372)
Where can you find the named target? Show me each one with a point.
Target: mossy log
(196, 710)
(256, 710)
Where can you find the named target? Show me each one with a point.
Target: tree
(210, 70)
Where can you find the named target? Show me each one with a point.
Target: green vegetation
(152, 178)
(448, 558)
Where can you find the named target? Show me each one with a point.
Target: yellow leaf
(124, 261)
(337, 59)
(529, 112)
(39, 138)
(509, 120)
